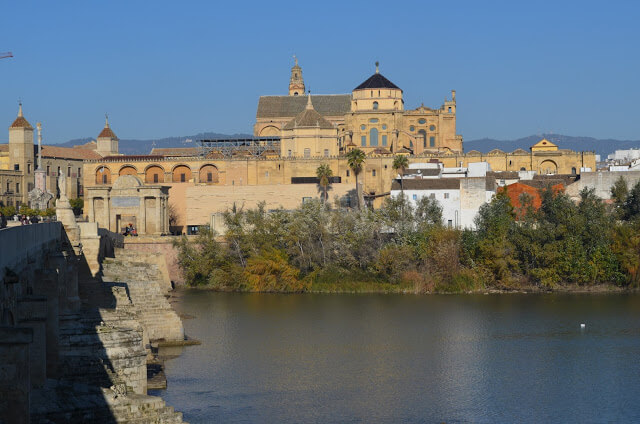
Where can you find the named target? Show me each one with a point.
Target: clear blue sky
(170, 68)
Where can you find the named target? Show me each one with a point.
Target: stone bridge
(76, 329)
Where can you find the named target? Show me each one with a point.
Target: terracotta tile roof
(21, 122)
(67, 153)
(130, 158)
(106, 132)
(308, 118)
(380, 151)
(290, 106)
(175, 151)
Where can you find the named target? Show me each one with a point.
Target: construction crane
(6, 55)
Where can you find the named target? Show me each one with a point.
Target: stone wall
(74, 348)
(160, 247)
(601, 182)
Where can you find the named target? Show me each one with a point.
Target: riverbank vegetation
(403, 247)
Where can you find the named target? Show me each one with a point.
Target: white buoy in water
(583, 325)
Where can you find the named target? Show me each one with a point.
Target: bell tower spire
(296, 83)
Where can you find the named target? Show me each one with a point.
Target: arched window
(373, 137)
(103, 175)
(375, 105)
(307, 153)
(573, 171)
(127, 170)
(523, 169)
(423, 135)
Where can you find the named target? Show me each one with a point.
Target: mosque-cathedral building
(293, 135)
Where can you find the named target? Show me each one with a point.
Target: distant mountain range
(603, 147)
(143, 147)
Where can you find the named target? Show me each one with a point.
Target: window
(363, 140)
(79, 172)
(384, 140)
(415, 197)
(573, 171)
(523, 169)
(432, 142)
(422, 121)
(16, 167)
(28, 168)
(266, 174)
(384, 126)
(412, 128)
(182, 178)
(432, 196)
(449, 109)
(375, 105)
(373, 120)
(306, 199)
(326, 153)
(17, 187)
(58, 173)
(385, 167)
(289, 153)
(450, 223)
(307, 153)
(373, 172)
(30, 187)
(363, 127)
(155, 178)
(347, 173)
(68, 171)
(373, 137)
(209, 177)
(48, 169)
(104, 178)
(432, 128)
(8, 187)
(423, 134)
(446, 195)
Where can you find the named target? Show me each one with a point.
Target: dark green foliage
(77, 205)
(404, 245)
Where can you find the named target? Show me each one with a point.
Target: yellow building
(372, 118)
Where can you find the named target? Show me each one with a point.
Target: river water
(407, 359)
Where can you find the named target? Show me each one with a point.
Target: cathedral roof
(106, 131)
(67, 153)
(20, 121)
(290, 106)
(376, 80)
(309, 117)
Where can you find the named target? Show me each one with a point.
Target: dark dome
(376, 81)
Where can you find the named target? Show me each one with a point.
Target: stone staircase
(63, 402)
(144, 286)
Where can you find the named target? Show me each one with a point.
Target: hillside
(143, 147)
(602, 147)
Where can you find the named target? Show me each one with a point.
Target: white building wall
(448, 199)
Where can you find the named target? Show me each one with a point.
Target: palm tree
(355, 159)
(324, 174)
(400, 162)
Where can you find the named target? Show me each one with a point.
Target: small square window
(415, 197)
(373, 172)
(446, 195)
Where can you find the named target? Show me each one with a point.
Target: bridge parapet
(20, 246)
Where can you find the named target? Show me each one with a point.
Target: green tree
(355, 160)
(631, 207)
(77, 205)
(400, 163)
(324, 174)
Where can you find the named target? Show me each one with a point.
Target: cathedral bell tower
(296, 83)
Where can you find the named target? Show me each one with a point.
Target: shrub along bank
(404, 248)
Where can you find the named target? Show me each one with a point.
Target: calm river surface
(407, 359)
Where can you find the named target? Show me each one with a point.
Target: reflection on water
(393, 358)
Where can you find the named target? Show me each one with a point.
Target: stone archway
(548, 167)
(103, 175)
(209, 174)
(269, 131)
(128, 170)
(181, 174)
(154, 174)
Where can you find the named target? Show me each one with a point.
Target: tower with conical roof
(107, 142)
(296, 83)
(21, 152)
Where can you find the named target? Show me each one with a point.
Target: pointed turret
(296, 83)
(107, 141)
